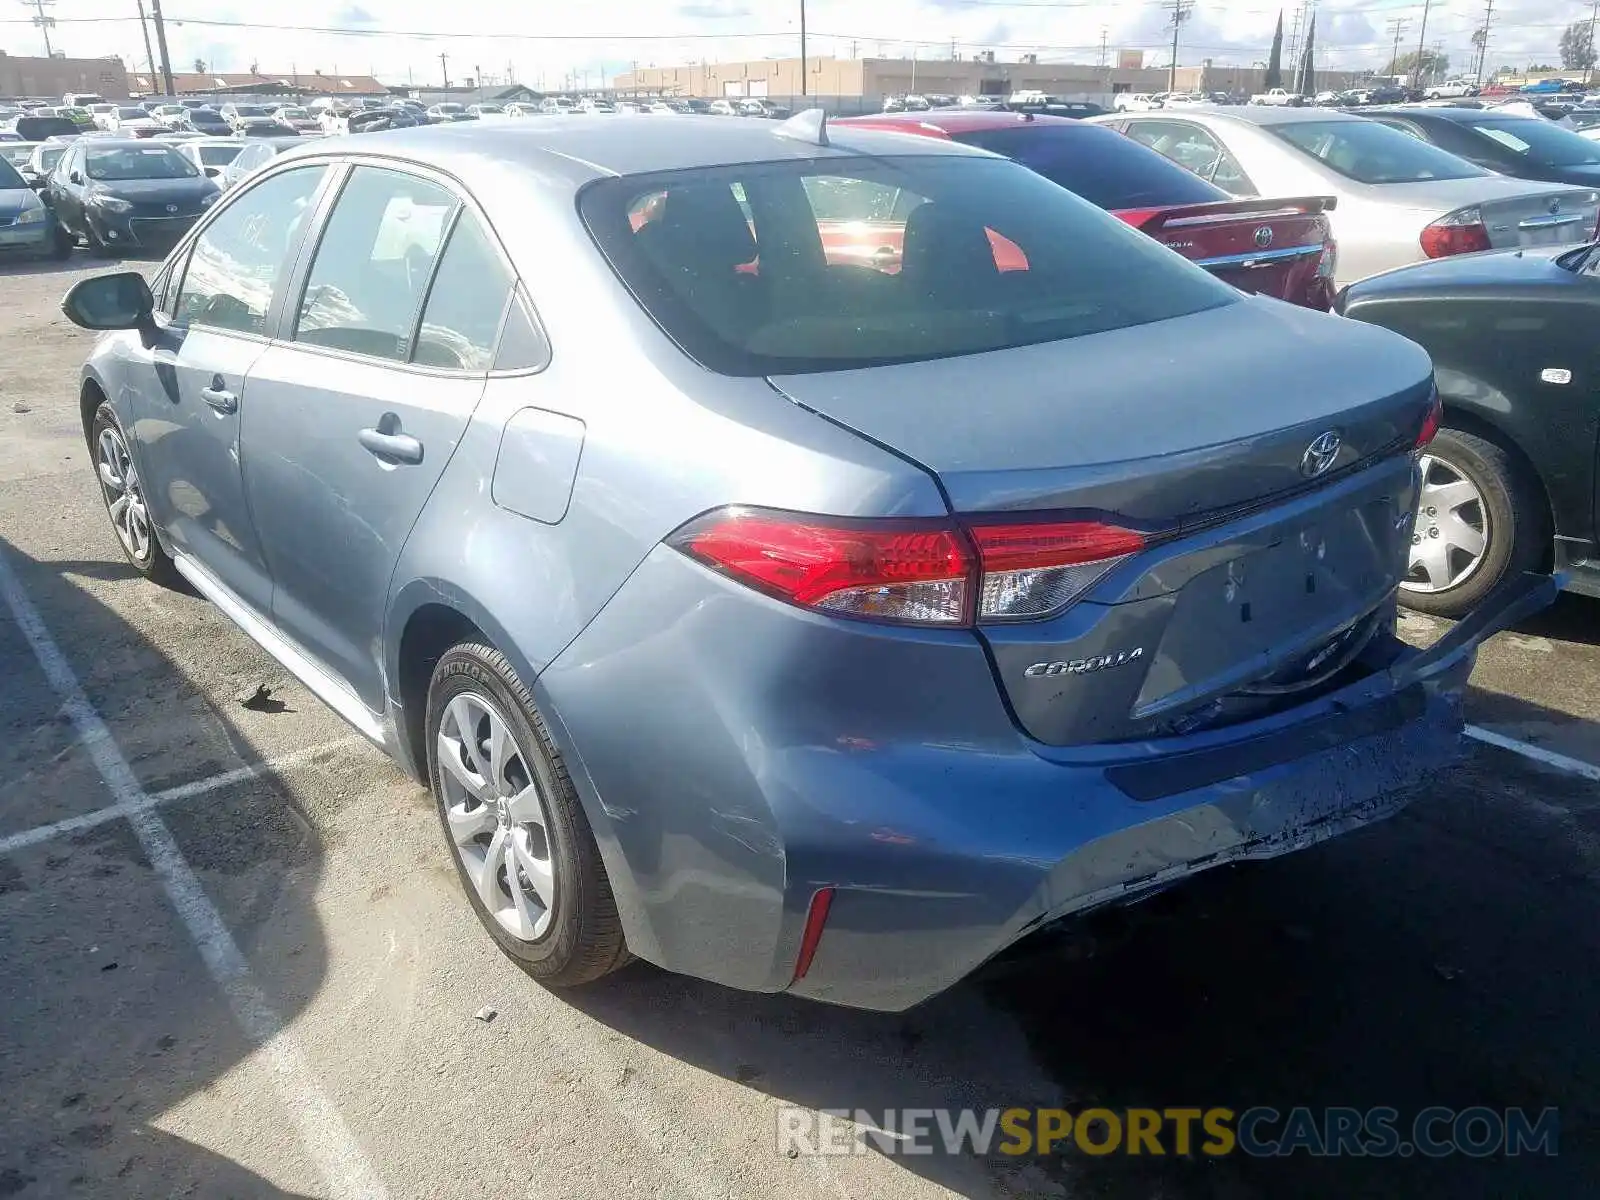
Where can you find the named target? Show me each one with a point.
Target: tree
(199, 66)
(1577, 47)
(1274, 77)
(1430, 62)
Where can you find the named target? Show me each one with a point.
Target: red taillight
(1430, 423)
(918, 572)
(816, 919)
(1461, 232)
(909, 571)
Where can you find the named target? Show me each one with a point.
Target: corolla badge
(1319, 455)
(1085, 666)
(1264, 236)
(1555, 207)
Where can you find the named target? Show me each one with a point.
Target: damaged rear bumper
(1348, 759)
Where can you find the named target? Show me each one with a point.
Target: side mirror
(118, 301)
(76, 177)
(33, 180)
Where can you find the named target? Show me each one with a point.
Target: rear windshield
(1372, 153)
(853, 261)
(1539, 141)
(218, 156)
(131, 114)
(1103, 167)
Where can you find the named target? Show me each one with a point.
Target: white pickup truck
(1275, 96)
(1451, 89)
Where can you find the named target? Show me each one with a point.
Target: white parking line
(333, 1149)
(184, 791)
(1561, 762)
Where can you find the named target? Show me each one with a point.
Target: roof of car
(957, 120)
(1251, 114)
(630, 147)
(1445, 113)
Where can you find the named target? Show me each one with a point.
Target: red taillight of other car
(910, 572)
(1430, 424)
(1460, 232)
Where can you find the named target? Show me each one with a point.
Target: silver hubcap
(1451, 531)
(496, 816)
(124, 498)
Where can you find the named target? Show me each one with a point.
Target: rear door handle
(219, 397)
(393, 447)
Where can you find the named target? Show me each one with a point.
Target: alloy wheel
(1451, 533)
(119, 479)
(496, 816)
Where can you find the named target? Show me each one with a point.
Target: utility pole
(444, 68)
(1180, 13)
(1416, 74)
(161, 45)
(1396, 27)
(1294, 34)
(44, 21)
(150, 56)
(804, 82)
(1588, 73)
(1483, 46)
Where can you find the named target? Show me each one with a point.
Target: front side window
(239, 258)
(1372, 153)
(466, 302)
(373, 264)
(983, 254)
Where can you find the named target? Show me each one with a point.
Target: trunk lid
(1516, 212)
(1256, 576)
(1268, 247)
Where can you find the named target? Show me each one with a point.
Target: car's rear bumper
(736, 755)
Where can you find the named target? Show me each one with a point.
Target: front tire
(522, 845)
(1480, 520)
(123, 492)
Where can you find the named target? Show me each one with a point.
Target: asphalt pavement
(234, 961)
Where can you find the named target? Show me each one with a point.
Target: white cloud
(546, 41)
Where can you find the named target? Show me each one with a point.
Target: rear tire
(514, 823)
(1508, 512)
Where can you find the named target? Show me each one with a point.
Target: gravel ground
(1446, 957)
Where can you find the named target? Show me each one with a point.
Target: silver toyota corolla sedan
(789, 621)
(1400, 200)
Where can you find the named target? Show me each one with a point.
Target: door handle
(393, 447)
(219, 398)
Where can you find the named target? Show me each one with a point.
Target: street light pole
(803, 80)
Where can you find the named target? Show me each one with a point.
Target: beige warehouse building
(868, 80)
(52, 78)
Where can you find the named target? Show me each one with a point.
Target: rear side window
(851, 261)
(466, 303)
(1103, 167)
(237, 261)
(1372, 153)
(373, 264)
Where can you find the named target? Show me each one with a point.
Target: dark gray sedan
(784, 618)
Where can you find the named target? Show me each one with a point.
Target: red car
(1281, 248)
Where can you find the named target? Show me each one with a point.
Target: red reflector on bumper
(816, 918)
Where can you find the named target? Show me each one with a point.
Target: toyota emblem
(1320, 454)
(172, 208)
(1264, 236)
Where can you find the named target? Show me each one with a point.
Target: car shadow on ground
(1445, 957)
(110, 1024)
(1572, 618)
